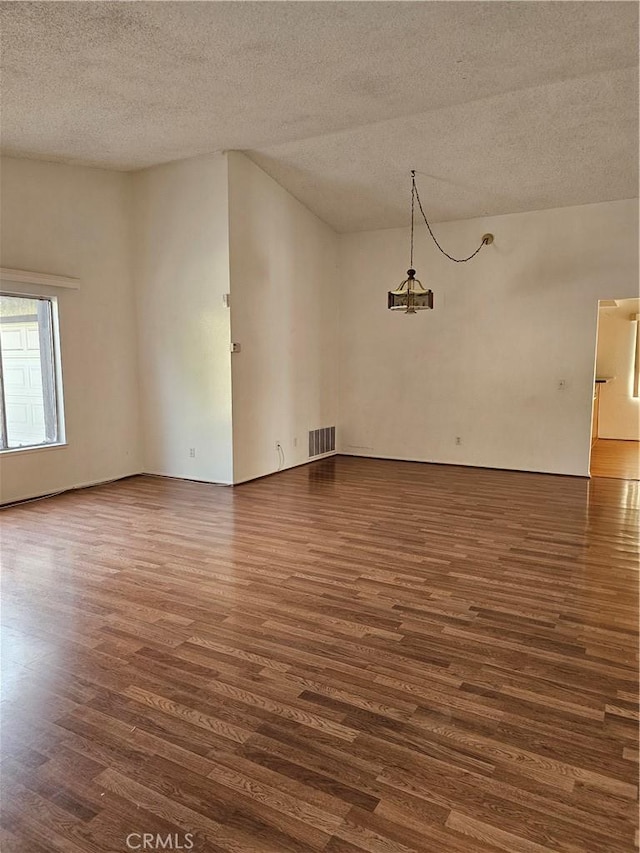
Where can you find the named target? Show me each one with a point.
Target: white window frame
(34, 285)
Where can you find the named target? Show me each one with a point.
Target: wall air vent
(322, 440)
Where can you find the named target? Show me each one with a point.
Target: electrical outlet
(295, 442)
(458, 440)
(192, 452)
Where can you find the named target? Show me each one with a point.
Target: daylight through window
(29, 409)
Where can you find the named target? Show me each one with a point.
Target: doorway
(615, 428)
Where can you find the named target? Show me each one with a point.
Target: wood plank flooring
(619, 459)
(356, 655)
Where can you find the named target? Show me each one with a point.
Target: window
(30, 410)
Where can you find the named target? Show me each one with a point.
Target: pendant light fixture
(410, 296)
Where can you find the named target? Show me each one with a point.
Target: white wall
(485, 364)
(181, 274)
(75, 221)
(619, 412)
(283, 294)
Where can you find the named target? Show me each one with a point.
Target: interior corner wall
(75, 221)
(284, 280)
(504, 363)
(619, 410)
(181, 275)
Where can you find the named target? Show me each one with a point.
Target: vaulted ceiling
(501, 106)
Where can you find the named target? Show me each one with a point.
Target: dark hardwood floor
(355, 655)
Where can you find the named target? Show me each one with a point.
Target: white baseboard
(84, 485)
(186, 479)
(459, 464)
(286, 468)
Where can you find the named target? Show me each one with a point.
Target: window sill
(9, 451)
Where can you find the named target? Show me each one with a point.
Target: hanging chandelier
(410, 296)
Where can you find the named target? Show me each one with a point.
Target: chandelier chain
(415, 194)
(413, 201)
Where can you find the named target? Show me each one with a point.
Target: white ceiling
(501, 106)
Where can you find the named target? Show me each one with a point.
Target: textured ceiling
(502, 107)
